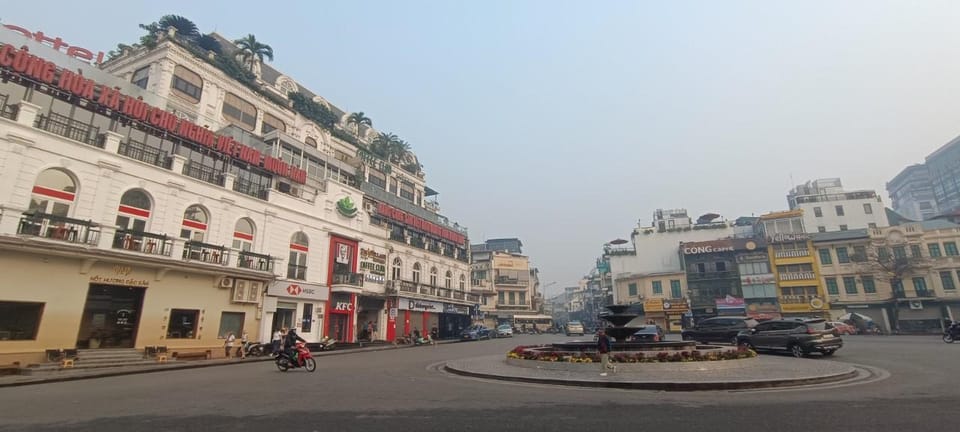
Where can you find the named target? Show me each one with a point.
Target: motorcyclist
(289, 342)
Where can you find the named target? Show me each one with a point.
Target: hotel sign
(788, 238)
(33, 68)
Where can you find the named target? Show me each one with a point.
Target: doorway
(283, 317)
(111, 316)
(339, 324)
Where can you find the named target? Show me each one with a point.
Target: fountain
(618, 318)
(620, 332)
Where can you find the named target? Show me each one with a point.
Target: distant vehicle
(718, 329)
(649, 333)
(841, 328)
(504, 330)
(475, 333)
(799, 338)
(574, 328)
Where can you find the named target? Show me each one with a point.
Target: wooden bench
(197, 355)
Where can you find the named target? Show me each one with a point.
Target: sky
(565, 123)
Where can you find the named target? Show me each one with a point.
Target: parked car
(574, 328)
(799, 338)
(504, 330)
(649, 333)
(718, 329)
(475, 333)
(841, 328)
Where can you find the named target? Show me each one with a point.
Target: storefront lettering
(343, 306)
(785, 238)
(114, 280)
(32, 67)
(415, 305)
(420, 224)
(57, 44)
(706, 249)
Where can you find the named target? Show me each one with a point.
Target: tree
(186, 29)
(119, 50)
(398, 150)
(209, 43)
(359, 119)
(252, 51)
(383, 144)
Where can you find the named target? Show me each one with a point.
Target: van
(574, 328)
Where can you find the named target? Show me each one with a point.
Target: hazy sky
(564, 122)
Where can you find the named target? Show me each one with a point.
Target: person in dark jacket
(603, 347)
(290, 341)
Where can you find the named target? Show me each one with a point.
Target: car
(841, 328)
(504, 330)
(718, 329)
(648, 333)
(475, 333)
(798, 337)
(574, 328)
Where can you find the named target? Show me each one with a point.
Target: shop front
(920, 317)
(666, 313)
(341, 323)
(731, 306)
(419, 315)
(295, 304)
(370, 313)
(341, 316)
(877, 313)
(371, 308)
(814, 308)
(453, 320)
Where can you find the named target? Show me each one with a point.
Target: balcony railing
(913, 293)
(8, 111)
(417, 242)
(448, 252)
(407, 286)
(710, 275)
(352, 279)
(791, 253)
(203, 173)
(255, 261)
(512, 282)
(296, 272)
(250, 188)
(433, 248)
(69, 128)
(208, 253)
(143, 242)
(144, 153)
(397, 236)
(797, 299)
(795, 276)
(429, 291)
(59, 228)
(463, 258)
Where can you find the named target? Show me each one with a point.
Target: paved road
(397, 390)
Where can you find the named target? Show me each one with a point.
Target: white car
(504, 330)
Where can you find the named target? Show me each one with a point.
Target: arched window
(54, 193)
(463, 283)
(194, 227)
(238, 111)
(272, 123)
(134, 211)
(187, 84)
(416, 272)
(448, 279)
(397, 269)
(311, 141)
(433, 276)
(299, 246)
(243, 235)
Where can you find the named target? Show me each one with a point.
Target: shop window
(231, 322)
(448, 279)
(416, 272)
(299, 247)
(141, 77)
(240, 112)
(183, 324)
(433, 276)
(53, 193)
(19, 320)
(243, 235)
(194, 225)
(187, 84)
(397, 270)
(272, 123)
(134, 211)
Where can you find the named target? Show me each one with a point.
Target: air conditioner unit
(916, 304)
(283, 187)
(225, 282)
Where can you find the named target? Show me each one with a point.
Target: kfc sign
(343, 306)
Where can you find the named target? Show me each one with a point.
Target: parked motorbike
(952, 332)
(254, 349)
(302, 358)
(327, 344)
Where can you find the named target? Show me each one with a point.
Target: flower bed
(548, 354)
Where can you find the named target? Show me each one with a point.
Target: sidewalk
(80, 374)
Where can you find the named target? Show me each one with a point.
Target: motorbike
(302, 358)
(254, 349)
(327, 344)
(952, 333)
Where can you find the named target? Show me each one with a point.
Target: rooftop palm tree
(251, 50)
(357, 119)
(398, 149)
(185, 28)
(383, 144)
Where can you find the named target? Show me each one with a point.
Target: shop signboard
(299, 289)
(730, 302)
(455, 309)
(757, 279)
(420, 305)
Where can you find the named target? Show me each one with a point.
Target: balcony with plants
(143, 242)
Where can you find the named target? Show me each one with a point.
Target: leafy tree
(383, 144)
(119, 50)
(320, 114)
(186, 29)
(399, 150)
(209, 43)
(359, 119)
(251, 50)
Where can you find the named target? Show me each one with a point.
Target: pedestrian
(371, 329)
(228, 344)
(243, 346)
(603, 347)
(275, 341)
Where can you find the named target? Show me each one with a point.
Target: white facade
(827, 207)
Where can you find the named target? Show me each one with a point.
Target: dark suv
(718, 329)
(798, 337)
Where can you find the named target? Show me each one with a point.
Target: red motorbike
(303, 359)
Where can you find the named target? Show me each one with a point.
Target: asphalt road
(399, 390)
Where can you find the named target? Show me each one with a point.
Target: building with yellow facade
(796, 272)
(661, 294)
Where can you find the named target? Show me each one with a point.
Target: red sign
(29, 66)
(420, 224)
(294, 289)
(57, 43)
(730, 302)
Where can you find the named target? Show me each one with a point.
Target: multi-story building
(662, 296)
(903, 277)
(713, 277)
(911, 193)
(176, 204)
(506, 284)
(827, 207)
(510, 245)
(944, 172)
(795, 269)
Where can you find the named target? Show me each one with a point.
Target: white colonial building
(827, 207)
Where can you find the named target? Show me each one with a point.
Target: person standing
(228, 344)
(243, 345)
(603, 347)
(275, 341)
(371, 330)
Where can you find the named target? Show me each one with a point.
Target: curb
(662, 386)
(194, 365)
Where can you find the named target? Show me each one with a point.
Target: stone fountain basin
(630, 346)
(637, 368)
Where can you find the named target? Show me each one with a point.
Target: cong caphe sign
(718, 246)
